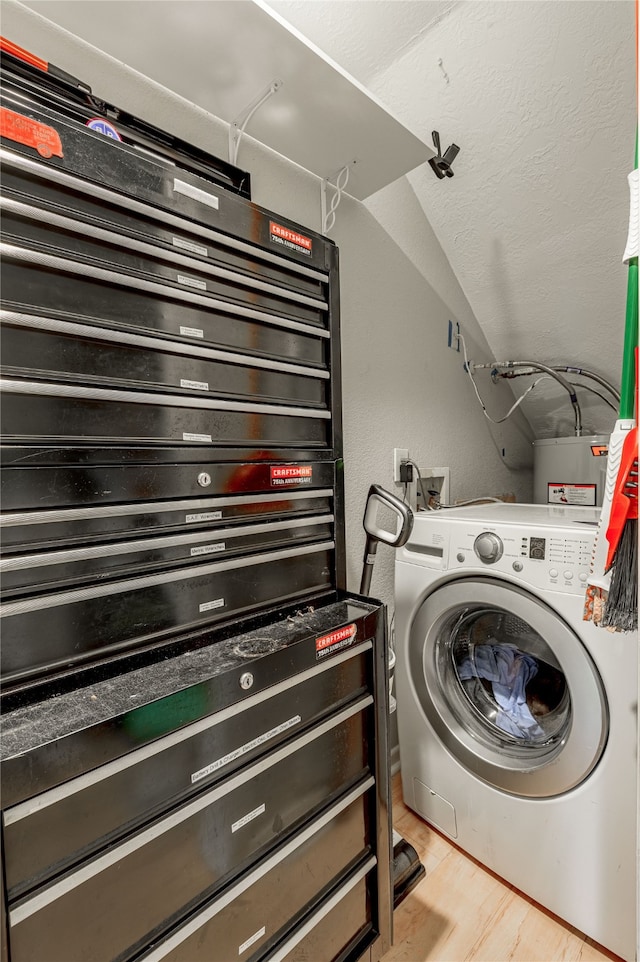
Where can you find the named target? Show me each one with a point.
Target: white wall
(402, 385)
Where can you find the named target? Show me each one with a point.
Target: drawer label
(191, 332)
(203, 516)
(250, 941)
(291, 474)
(187, 436)
(249, 746)
(186, 245)
(194, 385)
(208, 548)
(341, 638)
(196, 193)
(249, 817)
(211, 605)
(192, 282)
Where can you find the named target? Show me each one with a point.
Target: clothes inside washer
(524, 688)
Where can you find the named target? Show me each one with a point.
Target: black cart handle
(379, 496)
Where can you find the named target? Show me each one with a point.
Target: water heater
(570, 470)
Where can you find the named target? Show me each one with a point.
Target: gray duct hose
(552, 373)
(566, 369)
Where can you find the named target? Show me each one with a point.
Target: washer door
(508, 687)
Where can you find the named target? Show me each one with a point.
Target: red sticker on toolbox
(336, 639)
(289, 238)
(291, 474)
(31, 133)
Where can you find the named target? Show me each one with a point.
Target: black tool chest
(194, 748)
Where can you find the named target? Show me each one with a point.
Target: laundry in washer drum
(507, 679)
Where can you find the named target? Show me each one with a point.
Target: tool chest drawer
(336, 926)
(59, 232)
(52, 287)
(70, 495)
(182, 858)
(219, 824)
(257, 913)
(43, 411)
(93, 563)
(56, 192)
(83, 623)
(49, 832)
(51, 349)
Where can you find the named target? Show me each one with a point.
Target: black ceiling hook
(441, 164)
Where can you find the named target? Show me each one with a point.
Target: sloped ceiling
(540, 97)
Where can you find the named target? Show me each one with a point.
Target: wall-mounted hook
(441, 163)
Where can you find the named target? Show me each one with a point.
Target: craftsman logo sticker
(291, 474)
(102, 126)
(584, 494)
(289, 238)
(599, 450)
(31, 133)
(341, 638)
(248, 747)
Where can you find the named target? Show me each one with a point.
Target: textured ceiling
(540, 97)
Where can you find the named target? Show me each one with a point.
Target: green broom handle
(627, 385)
(628, 380)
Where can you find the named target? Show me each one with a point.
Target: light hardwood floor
(460, 912)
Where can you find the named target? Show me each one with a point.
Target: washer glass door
(508, 687)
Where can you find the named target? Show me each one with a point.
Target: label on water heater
(584, 494)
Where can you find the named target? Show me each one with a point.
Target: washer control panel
(549, 558)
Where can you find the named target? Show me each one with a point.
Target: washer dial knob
(488, 547)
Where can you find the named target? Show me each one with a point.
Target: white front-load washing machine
(517, 718)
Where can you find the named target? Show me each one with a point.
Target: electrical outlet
(399, 454)
(453, 336)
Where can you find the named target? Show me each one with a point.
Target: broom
(621, 606)
(612, 595)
